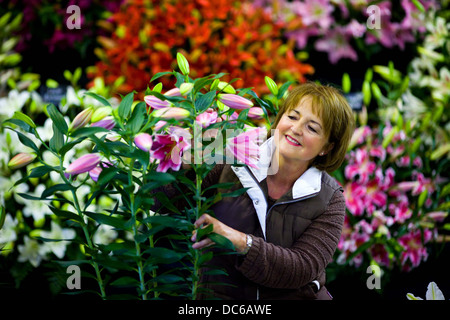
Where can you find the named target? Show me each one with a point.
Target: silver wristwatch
(248, 246)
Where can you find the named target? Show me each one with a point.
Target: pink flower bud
(156, 103)
(84, 163)
(175, 92)
(143, 141)
(171, 113)
(21, 160)
(255, 113)
(107, 123)
(234, 101)
(81, 119)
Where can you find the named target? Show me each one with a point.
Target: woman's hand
(239, 239)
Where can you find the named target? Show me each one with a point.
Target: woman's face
(300, 135)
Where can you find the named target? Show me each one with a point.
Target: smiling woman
(287, 226)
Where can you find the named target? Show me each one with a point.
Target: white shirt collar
(308, 183)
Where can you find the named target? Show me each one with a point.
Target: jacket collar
(308, 183)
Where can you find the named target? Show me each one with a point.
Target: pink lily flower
(84, 164)
(234, 101)
(168, 149)
(245, 148)
(143, 141)
(206, 118)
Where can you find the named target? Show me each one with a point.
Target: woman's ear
(327, 149)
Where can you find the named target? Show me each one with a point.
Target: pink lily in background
(84, 164)
(168, 149)
(255, 113)
(362, 166)
(245, 146)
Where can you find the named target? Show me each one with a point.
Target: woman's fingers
(205, 220)
(203, 244)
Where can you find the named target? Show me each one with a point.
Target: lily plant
(136, 148)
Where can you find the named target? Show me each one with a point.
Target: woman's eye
(292, 117)
(312, 129)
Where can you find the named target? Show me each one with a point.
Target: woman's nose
(297, 129)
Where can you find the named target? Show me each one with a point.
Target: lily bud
(143, 141)
(186, 88)
(107, 123)
(183, 64)
(226, 87)
(255, 113)
(21, 160)
(156, 103)
(171, 113)
(84, 164)
(175, 92)
(234, 101)
(271, 85)
(81, 119)
(100, 113)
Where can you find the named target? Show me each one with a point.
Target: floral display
(348, 29)
(390, 219)
(215, 36)
(178, 86)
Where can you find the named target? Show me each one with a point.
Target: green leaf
(27, 142)
(2, 216)
(23, 117)
(106, 175)
(137, 118)
(164, 256)
(108, 220)
(205, 101)
(57, 187)
(221, 241)
(87, 131)
(159, 75)
(64, 214)
(98, 98)
(40, 171)
(418, 5)
(125, 106)
(57, 141)
(202, 232)
(57, 118)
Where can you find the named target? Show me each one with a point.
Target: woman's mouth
(292, 141)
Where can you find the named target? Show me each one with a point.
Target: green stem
(196, 271)
(89, 243)
(135, 232)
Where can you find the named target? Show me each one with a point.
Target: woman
(287, 225)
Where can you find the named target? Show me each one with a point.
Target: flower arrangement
(394, 200)
(343, 29)
(229, 36)
(102, 203)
